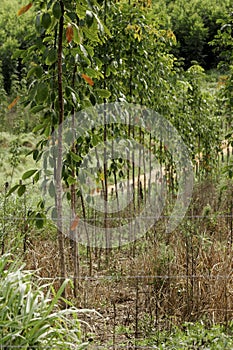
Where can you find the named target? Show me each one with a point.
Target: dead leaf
(88, 79)
(74, 223)
(24, 9)
(69, 33)
(13, 103)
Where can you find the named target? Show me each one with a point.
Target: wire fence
(147, 286)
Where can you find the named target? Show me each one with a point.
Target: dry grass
(157, 282)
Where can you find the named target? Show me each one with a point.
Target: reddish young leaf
(24, 9)
(88, 79)
(13, 103)
(74, 223)
(69, 33)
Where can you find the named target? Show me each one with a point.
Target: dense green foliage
(13, 36)
(193, 336)
(195, 25)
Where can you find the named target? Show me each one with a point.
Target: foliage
(30, 316)
(13, 35)
(195, 24)
(193, 336)
(223, 42)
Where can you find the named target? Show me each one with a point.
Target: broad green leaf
(37, 109)
(71, 180)
(57, 10)
(52, 57)
(77, 35)
(42, 93)
(52, 189)
(91, 72)
(81, 10)
(75, 157)
(36, 177)
(28, 174)
(37, 71)
(103, 93)
(13, 189)
(46, 20)
(39, 219)
(91, 34)
(21, 190)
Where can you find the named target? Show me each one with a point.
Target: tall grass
(30, 317)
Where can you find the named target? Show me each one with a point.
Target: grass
(30, 316)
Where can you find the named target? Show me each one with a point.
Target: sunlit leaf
(28, 174)
(88, 79)
(24, 9)
(77, 35)
(103, 93)
(13, 189)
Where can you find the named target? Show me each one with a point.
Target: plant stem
(59, 157)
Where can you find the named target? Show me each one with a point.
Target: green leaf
(91, 34)
(95, 140)
(39, 219)
(75, 157)
(42, 93)
(28, 174)
(52, 57)
(91, 72)
(37, 109)
(36, 70)
(38, 127)
(31, 72)
(71, 180)
(52, 189)
(46, 20)
(13, 189)
(77, 35)
(21, 190)
(36, 177)
(35, 154)
(81, 10)
(57, 10)
(103, 93)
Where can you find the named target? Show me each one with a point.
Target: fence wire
(149, 286)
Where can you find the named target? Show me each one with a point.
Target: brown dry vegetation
(157, 282)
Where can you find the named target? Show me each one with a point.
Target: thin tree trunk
(59, 156)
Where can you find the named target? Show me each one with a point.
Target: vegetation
(58, 59)
(30, 315)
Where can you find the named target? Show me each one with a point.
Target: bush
(195, 24)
